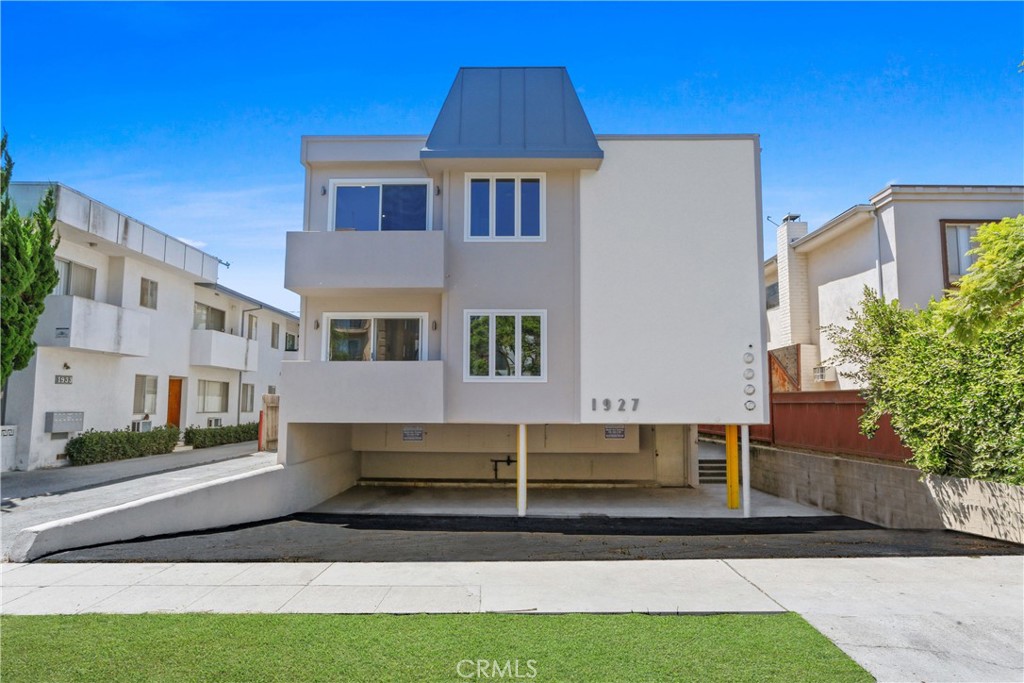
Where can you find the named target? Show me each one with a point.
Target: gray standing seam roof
(512, 112)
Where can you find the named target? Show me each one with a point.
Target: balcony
(215, 349)
(363, 392)
(322, 262)
(86, 325)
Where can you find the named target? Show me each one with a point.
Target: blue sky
(188, 116)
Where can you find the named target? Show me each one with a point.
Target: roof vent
(791, 218)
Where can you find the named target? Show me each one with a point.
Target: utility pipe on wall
(745, 467)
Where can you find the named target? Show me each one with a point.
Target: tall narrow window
(252, 327)
(145, 395)
(505, 345)
(372, 205)
(505, 206)
(275, 335)
(147, 295)
(247, 398)
(291, 342)
(959, 240)
(382, 337)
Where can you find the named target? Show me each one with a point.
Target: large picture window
(374, 205)
(213, 397)
(505, 346)
(505, 206)
(374, 336)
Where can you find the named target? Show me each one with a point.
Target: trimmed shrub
(204, 437)
(92, 446)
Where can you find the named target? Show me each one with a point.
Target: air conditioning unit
(824, 373)
(213, 422)
(142, 425)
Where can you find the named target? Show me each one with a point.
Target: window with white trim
(213, 397)
(74, 279)
(505, 346)
(253, 327)
(374, 336)
(505, 206)
(275, 335)
(145, 395)
(381, 204)
(247, 398)
(147, 293)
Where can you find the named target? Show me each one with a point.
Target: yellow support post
(732, 467)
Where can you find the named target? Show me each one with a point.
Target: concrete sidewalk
(921, 619)
(21, 513)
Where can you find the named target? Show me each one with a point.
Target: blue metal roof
(512, 112)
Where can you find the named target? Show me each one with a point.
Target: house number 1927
(617, 404)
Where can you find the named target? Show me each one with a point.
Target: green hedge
(92, 446)
(199, 437)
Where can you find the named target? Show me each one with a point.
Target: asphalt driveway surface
(311, 537)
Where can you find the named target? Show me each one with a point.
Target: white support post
(745, 467)
(521, 471)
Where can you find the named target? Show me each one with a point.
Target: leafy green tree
(950, 376)
(28, 245)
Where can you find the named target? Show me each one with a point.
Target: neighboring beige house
(137, 334)
(909, 243)
(513, 274)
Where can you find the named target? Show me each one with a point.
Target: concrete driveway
(31, 498)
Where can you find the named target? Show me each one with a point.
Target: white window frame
(518, 177)
(275, 335)
(252, 332)
(202, 398)
(492, 312)
(65, 285)
(149, 398)
(247, 398)
(335, 183)
(325, 327)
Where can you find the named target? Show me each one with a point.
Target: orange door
(174, 402)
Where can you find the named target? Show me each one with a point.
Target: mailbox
(64, 421)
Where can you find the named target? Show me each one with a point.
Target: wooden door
(174, 402)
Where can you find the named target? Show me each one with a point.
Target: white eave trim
(852, 218)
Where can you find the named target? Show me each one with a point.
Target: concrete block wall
(888, 495)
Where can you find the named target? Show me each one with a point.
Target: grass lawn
(301, 647)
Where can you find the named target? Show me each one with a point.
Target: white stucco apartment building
(137, 334)
(513, 284)
(909, 243)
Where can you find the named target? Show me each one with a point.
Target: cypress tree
(28, 274)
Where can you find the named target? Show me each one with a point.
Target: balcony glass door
(378, 338)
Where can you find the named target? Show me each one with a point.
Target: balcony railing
(86, 325)
(215, 349)
(321, 262)
(362, 392)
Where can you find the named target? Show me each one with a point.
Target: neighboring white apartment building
(909, 243)
(510, 269)
(137, 334)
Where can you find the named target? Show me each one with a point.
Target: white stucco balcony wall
(215, 349)
(77, 323)
(321, 262)
(363, 392)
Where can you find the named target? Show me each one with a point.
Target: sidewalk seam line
(760, 590)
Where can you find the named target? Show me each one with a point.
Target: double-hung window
(958, 239)
(74, 279)
(381, 204)
(505, 207)
(505, 346)
(374, 336)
